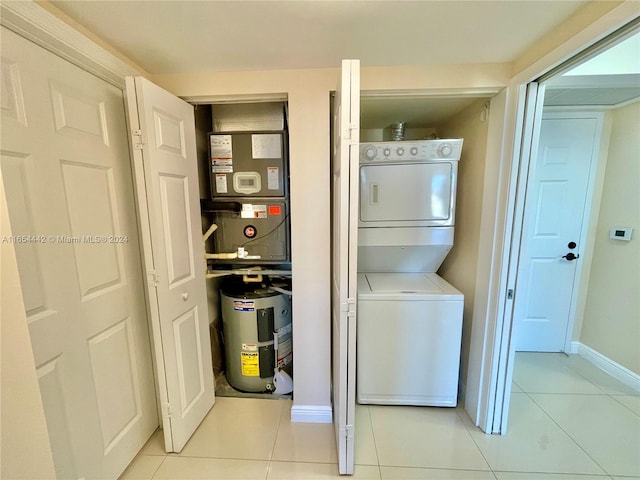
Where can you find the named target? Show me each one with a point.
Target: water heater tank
(251, 315)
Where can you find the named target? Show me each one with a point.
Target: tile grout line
(625, 406)
(566, 433)
(275, 439)
(158, 469)
(375, 445)
(581, 375)
(568, 367)
(474, 441)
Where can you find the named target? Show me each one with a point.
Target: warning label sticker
(221, 182)
(221, 154)
(273, 178)
(266, 145)
(285, 353)
(244, 305)
(253, 211)
(221, 146)
(221, 165)
(250, 364)
(275, 210)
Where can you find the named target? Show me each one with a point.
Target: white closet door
(345, 186)
(554, 212)
(174, 256)
(67, 173)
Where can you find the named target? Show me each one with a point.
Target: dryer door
(407, 194)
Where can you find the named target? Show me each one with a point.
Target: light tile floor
(568, 421)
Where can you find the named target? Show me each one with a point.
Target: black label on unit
(265, 324)
(267, 361)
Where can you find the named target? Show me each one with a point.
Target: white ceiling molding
(433, 92)
(248, 98)
(41, 27)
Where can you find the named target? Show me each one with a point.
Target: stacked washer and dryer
(409, 318)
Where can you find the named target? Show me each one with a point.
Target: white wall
(308, 97)
(24, 440)
(611, 322)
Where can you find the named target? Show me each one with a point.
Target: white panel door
(174, 256)
(67, 173)
(346, 132)
(552, 231)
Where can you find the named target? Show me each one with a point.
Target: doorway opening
(584, 283)
(243, 172)
(379, 429)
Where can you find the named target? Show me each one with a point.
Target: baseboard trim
(311, 414)
(604, 363)
(575, 347)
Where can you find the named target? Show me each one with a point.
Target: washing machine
(409, 332)
(409, 328)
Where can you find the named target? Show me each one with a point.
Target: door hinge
(166, 410)
(349, 129)
(348, 431)
(154, 279)
(349, 306)
(136, 136)
(510, 294)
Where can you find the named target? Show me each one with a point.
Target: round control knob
(370, 153)
(445, 150)
(386, 152)
(414, 151)
(400, 151)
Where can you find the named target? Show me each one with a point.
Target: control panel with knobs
(369, 152)
(445, 150)
(411, 150)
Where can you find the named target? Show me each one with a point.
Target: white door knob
(185, 296)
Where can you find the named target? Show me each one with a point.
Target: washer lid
(405, 286)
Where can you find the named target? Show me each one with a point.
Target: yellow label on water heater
(250, 364)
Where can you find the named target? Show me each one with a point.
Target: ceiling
(594, 90)
(193, 36)
(189, 36)
(608, 79)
